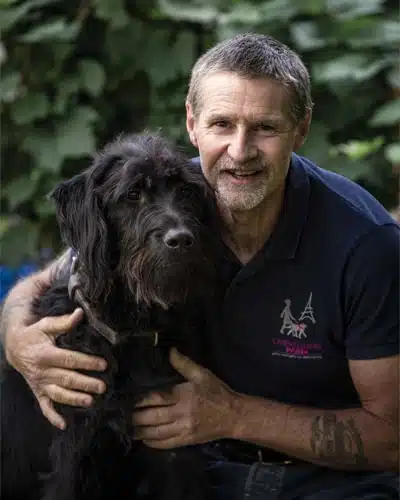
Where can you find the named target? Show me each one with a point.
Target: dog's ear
(69, 198)
(82, 223)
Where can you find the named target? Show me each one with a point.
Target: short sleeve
(371, 295)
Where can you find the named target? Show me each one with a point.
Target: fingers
(74, 380)
(56, 325)
(158, 399)
(157, 433)
(154, 416)
(68, 397)
(186, 367)
(71, 360)
(50, 413)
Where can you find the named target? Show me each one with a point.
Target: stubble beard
(241, 197)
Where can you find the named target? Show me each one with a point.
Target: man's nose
(241, 148)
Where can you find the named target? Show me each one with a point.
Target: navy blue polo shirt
(323, 290)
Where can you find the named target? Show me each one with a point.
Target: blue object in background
(9, 275)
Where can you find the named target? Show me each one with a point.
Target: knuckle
(44, 324)
(34, 375)
(69, 360)
(67, 380)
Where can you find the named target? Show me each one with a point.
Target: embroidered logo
(293, 330)
(293, 327)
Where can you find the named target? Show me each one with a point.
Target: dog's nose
(178, 239)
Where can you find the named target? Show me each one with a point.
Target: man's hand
(197, 411)
(49, 370)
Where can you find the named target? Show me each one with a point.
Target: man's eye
(134, 194)
(221, 124)
(265, 127)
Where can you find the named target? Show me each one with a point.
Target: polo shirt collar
(285, 238)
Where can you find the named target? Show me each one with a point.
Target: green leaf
(44, 207)
(159, 58)
(56, 30)
(19, 191)
(112, 11)
(393, 78)
(66, 88)
(312, 7)
(374, 33)
(3, 53)
(181, 11)
(6, 221)
(306, 35)
(19, 241)
(351, 66)
(30, 107)
(387, 115)
(392, 153)
(10, 16)
(280, 10)
(92, 76)
(9, 86)
(317, 145)
(75, 135)
(350, 9)
(43, 147)
(352, 169)
(7, 3)
(357, 150)
(242, 13)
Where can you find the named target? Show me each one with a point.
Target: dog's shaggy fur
(142, 221)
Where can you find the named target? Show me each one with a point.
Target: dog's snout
(178, 239)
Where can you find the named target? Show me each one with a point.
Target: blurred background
(75, 73)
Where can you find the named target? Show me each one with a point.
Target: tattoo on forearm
(334, 441)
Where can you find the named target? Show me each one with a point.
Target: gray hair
(252, 55)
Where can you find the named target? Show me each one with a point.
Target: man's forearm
(16, 310)
(342, 439)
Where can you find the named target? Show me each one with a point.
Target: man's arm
(29, 347)
(16, 310)
(359, 438)
(205, 409)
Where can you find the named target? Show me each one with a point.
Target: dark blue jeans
(301, 481)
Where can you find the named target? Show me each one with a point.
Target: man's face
(245, 138)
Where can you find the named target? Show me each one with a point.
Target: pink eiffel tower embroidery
(293, 327)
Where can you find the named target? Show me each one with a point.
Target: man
(300, 399)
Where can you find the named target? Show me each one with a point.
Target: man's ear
(191, 124)
(302, 129)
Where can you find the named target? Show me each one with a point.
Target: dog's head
(143, 215)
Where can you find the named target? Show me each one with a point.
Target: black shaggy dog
(142, 222)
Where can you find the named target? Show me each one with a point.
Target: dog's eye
(186, 191)
(134, 194)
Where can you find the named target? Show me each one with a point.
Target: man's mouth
(243, 175)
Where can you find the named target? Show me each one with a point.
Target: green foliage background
(76, 73)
